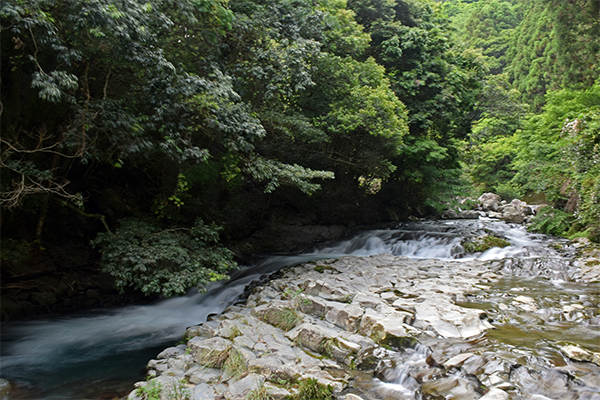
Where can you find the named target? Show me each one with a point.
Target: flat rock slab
(354, 313)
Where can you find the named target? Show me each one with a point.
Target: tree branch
(100, 217)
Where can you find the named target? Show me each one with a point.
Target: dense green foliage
(549, 59)
(556, 45)
(144, 117)
(148, 116)
(163, 261)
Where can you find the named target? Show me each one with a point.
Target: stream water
(101, 354)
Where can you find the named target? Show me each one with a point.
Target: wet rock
(577, 353)
(5, 387)
(457, 251)
(483, 243)
(351, 396)
(452, 387)
(456, 361)
(495, 394)
(546, 382)
(449, 320)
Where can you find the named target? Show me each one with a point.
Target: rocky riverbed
(387, 327)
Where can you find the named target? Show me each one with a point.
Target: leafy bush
(559, 155)
(551, 221)
(165, 261)
(151, 391)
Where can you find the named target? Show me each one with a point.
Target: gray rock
(390, 324)
(240, 389)
(495, 394)
(323, 289)
(345, 316)
(202, 392)
(457, 251)
(207, 330)
(512, 214)
(199, 374)
(265, 366)
(181, 362)
(160, 366)
(468, 214)
(171, 352)
(364, 300)
(276, 392)
(450, 214)
(310, 336)
(314, 306)
(206, 351)
(449, 320)
(489, 201)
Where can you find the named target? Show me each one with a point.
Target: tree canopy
(159, 132)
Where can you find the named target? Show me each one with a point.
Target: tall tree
(436, 79)
(556, 45)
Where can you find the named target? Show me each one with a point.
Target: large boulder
(489, 201)
(515, 212)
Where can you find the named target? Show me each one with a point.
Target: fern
(551, 221)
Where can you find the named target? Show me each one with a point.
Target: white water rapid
(69, 357)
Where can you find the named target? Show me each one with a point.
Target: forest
(144, 139)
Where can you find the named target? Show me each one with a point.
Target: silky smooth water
(105, 351)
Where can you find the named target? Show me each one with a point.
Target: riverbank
(386, 327)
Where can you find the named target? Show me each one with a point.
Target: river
(100, 354)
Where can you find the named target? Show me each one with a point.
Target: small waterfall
(399, 376)
(59, 356)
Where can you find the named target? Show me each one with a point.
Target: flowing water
(101, 354)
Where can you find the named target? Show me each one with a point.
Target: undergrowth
(551, 221)
(311, 389)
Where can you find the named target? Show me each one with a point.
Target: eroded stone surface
(360, 313)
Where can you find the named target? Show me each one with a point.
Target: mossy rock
(398, 342)
(483, 243)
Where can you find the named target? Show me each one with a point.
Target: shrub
(551, 221)
(163, 261)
